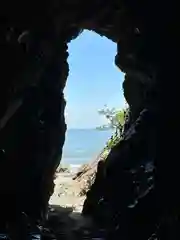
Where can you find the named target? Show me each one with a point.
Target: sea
(83, 145)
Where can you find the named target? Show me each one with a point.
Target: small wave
(75, 160)
(75, 167)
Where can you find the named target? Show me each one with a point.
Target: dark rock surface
(34, 69)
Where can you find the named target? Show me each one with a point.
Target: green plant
(116, 120)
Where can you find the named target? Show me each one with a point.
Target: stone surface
(34, 69)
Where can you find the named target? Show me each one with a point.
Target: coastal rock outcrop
(34, 69)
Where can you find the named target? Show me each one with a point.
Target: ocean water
(83, 145)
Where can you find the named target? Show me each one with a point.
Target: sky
(94, 80)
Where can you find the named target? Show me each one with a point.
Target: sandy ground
(65, 218)
(66, 192)
(68, 206)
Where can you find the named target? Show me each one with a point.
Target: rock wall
(34, 70)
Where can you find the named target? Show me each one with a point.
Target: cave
(34, 70)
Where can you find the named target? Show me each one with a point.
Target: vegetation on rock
(116, 121)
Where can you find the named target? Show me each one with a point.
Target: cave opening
(93, 82)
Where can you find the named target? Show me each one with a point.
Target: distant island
(103, 128)
(82, 129)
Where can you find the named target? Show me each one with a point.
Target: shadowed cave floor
(66, 224)
(63, 224)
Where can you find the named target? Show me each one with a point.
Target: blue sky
(94, 80)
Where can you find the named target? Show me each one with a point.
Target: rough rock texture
(34, 69)
(86, 174)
